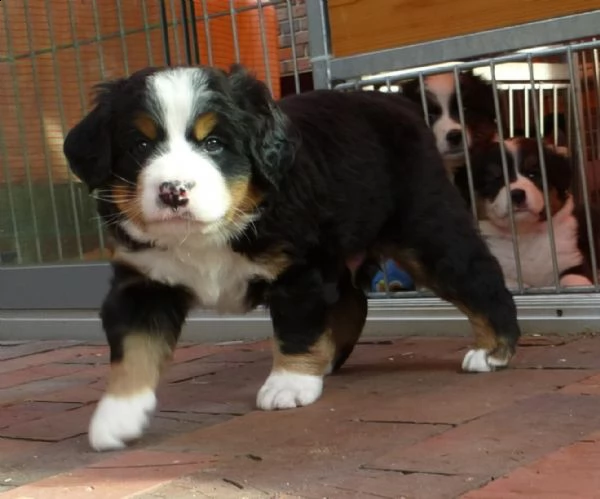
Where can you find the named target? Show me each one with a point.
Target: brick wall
(299, 25)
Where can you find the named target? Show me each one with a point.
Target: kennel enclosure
(542, 59)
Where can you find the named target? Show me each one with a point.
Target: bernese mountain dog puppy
(528, 206)
(443, 113)
(217, 196)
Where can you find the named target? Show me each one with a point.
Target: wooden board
(359, 26)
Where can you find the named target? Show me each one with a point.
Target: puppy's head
(181, 150)
(525, 187)
(444, 115)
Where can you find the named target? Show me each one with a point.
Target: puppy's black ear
(87, 146)
(270, 140)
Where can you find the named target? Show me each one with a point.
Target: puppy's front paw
(286, 390)
(118, 420)
(479, 360)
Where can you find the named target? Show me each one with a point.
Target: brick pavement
(399, 421)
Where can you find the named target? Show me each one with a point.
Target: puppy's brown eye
(140, 147)
(213, 145)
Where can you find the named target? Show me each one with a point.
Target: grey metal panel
(557, 314)
(511, 38)
(77, 286)
(318, 41)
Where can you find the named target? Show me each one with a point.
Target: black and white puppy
(443, 113)
(530, 215)
(216, 196)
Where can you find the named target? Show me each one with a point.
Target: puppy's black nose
(518, 196)
(454, 137)
(174, 194)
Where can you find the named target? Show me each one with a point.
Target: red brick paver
(399, 421)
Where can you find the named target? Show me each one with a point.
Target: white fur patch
(118, 420)
(216, 274)
(498, 210)
(286, 390)
(442, 88)
(535, 250)
(176, 95)
(574, 280)
(479, 361)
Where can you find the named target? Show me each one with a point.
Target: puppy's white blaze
(209, 198)
(479, 361)
(176, 93)
(286, 390)
(443, 87)
(498, 209)
(118, 420)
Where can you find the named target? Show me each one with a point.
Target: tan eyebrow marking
(204, 124)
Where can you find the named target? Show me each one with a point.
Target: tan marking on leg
(144, 358)
(315, 362)
(204, 125)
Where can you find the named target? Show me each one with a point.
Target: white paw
(479, 361)
(285, 390)
(575, 280)
(120, 419)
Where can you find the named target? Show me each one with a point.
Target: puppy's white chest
(535, 252)
(218, 276)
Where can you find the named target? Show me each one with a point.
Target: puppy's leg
(142, 320)
(304, 347)
(454, 262)
(346, 319)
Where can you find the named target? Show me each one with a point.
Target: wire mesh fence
(549, 95)
(52, 53)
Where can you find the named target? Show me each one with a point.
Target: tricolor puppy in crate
(216, 196)
(444, 116)
(526, 195)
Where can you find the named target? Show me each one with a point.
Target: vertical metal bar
(461, 115)
(597, 86)
(186, 33)
(541, 110)
(40, 107)
(102, 68)
(293, 44)
(122, 36)
(63, 121)
(318, 35)
(540, 146)
(21, 128)
(146, 33)
(10, 195)
(175, 25)
(511, 111)
(164, 27)
(424, 104)
(513, 226)
(588, 110)
(581, 159)
(82, 99)
(206, 19)
(555, 113)
(263, 40)
(194, 32)
(234, 30)
(527, 109)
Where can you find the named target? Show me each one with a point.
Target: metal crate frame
(47, 315)
(406, 313)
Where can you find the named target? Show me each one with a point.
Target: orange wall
(33, 123)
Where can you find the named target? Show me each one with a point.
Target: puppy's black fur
(336, 175)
